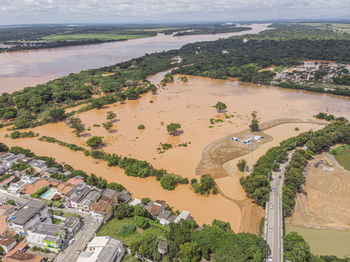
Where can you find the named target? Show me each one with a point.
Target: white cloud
(34, 11)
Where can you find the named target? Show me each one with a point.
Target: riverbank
(28, 68)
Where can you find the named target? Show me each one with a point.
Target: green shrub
(127, 229)
(141, 222)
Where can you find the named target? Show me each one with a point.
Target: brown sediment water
(324, 242)
(26, 68)
(190, 104)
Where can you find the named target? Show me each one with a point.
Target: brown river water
(190, 104)
(27, 68)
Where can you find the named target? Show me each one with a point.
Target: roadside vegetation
(257, 184)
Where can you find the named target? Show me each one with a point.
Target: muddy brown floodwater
(26, 68)
(190, 104)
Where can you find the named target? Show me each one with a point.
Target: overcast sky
(139, 11)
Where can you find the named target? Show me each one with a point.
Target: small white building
(102, 249)
(135, 202)
(183, 215)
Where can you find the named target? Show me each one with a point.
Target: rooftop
(47, 229)
(75, 181)
(29, 210)
(71, 222)
(34, 187)
(109, 193)
(21, 256)
(100, 249)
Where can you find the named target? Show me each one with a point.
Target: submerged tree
(111, 115)
(94, 141)
(173, 128)
(220, 106)
(108, 125)
(77, 125)
(254, 126)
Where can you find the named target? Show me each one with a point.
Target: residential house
(156, 207)
(32, 188)
(38, 165)
(162, 247)
(85, 203)
(135, 202)
(124, 196)
(72, 224)
(31, 213)
(166, 217)
(17, 187)
(9, 159)
(7, 243)
(183, 215)
(76, 194)
(46, 235)
(20, 256)
(103, 208)
(102, 249)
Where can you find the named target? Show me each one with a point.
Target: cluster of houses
(307, 72)
(42, 227)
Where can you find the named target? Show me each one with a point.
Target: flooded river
(324, 242)
(27, 68)
(190, 104)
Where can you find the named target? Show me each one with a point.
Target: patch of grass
(56, 221)
(342, 155)
(103, 37)
(261, 227)
(113, 227)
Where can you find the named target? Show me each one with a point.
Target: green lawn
(112, 228)
(342, 155)
(103, 37)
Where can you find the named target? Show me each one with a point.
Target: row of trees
(294, 179)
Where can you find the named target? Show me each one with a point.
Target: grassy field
(103, 37)
(112, 228)
(342, 155)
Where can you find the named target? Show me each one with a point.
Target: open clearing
(326, 204)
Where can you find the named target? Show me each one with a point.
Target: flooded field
(27, 68)
(191, 105)
(324, 242)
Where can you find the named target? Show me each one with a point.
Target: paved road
(82, 238)
(274, 214)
